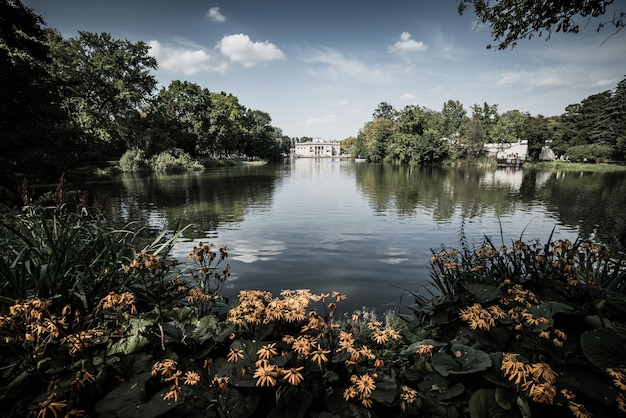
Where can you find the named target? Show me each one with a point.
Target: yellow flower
(367, 402)
(50, 405)
(235, 355)
(366, 352)
(373, 325)
(425, 350)
(350, 393)
(379, 363)
(408, 395)
(380, 336)
(319, 355)
(365, 384)
(267, 351)
(302, 345)
(221, 382)
(578, 410)
(165, 367)
(542, 392)
(173, 393)
(543, 371)
(293, 375)
(266, 374)
(339, 296)
(191, 378)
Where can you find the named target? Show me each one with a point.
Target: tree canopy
(514, 20)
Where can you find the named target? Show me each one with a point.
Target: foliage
(133, 160)
(511, 20)
(594, 153)
(174, 160)
(534, 329)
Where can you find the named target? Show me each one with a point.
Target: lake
(362, 229)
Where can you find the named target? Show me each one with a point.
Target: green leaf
(604, 348)
(242, 403)
(483, 404)
(386, 390)
(483, 292)
(466, 360)
(126, 400)
(204, 329)
(548, 310)
(412, 349)
(295, 406)
(134, 339)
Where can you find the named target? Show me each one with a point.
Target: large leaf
(134, 339)
(127, 400)
(295, 406)
(548, 310)
(466, 360)
(412, 349)
(483, 292)
(386, 390)
(484, 404)
(205, 328)
(604, 348)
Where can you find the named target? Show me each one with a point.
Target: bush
(133, 160)
(594, 153)
(174, 160)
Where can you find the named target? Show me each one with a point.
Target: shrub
(133, 160)
(174, 160)
(594, 153)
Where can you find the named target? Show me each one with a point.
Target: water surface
(362, 229)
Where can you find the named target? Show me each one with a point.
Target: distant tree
(375, 136)
(536, 132)
(514, 20)
(473, 138)
(618, 117)
(384, 111)
(225, 126)
(260, 139)
(508, 128)
(453, 116)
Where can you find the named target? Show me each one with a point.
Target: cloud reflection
(256, 249)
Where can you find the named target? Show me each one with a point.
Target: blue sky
(321, 68)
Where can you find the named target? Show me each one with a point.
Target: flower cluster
(618, 376)
(537, 380)
(167, 370)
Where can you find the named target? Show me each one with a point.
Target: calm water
(362, 229)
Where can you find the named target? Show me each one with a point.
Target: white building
(317, 148)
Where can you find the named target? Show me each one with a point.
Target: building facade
(317, 149)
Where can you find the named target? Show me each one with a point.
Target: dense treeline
(91, 98)
(593, 130)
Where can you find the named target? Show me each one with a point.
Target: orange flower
(293, 375)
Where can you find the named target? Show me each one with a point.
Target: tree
(225, 126)
(488, 115)
(384, 111)
(536, 132)
(107, 81)
(509, 127)
(453, 116)
(30, 123)
(185, 108)
(514, 20)
(474, 138)
(375, 136)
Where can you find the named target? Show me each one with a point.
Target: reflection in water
(362, 229)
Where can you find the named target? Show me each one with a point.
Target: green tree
(618, 117)
(488, 115)
(384, 111)
(453, 116)
(536, 132)
(107, 81)
(260, 139)
(376, 135)
(30, 124)
(509, 127)
(225, 128)
(185, 109)
(514, 20)
(473, 138)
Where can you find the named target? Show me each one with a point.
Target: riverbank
(567, 166)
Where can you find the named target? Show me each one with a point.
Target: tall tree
(29, 117)
(508, 128)
(384, 111)
(454, 116)
(536, 132)
(375, 136)
(514, 20)
(107, 82)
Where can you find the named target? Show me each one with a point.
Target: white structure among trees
(317, 148)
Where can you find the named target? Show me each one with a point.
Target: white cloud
(407, 44)
(341, 103)
(605, 83)
(325, 120)
(339, 66)
(408, 97)
(510, 78)
(240, 48)
(215, 15)
(177, 59)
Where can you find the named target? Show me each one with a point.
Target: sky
(321, 68)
